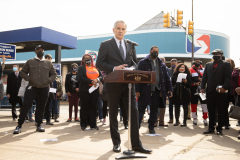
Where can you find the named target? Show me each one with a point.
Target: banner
(8, 50)
(57, 67)
(94, 54)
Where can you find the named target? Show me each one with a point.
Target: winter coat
(145, 89)
(13, 85)
(181, 91)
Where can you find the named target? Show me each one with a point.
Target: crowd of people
(214, 86)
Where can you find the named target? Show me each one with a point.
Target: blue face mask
(15, 69)
(173, 66)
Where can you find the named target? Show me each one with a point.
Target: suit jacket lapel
(220, 63)
(114, 44)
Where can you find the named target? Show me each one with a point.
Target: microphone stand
(130, 153)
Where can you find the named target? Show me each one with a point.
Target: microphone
(133, 43)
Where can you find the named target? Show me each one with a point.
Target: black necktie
(121, 50)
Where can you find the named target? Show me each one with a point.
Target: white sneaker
(195, 121)
(205, 122)
(101, 120)
(104, 121)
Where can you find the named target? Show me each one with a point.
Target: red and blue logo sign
(201, 44)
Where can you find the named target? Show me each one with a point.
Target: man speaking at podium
(114, 55)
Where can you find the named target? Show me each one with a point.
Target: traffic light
(166, 20)
(190, 27)
(179, 17)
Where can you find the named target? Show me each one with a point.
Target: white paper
(194, 75)
(93, 88)
(203, 96)
(53, 90)
(129, 68)
(181, 76)
(152, 135)
(48, 140)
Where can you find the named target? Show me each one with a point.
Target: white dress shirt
(123, 45)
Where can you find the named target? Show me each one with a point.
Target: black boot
(40, 128)
(177, 112)
(185, 114)
(17, 130)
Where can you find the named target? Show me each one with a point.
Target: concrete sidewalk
(174, 142)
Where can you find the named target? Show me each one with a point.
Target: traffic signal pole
(192, 37)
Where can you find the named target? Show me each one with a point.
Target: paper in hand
(203, 96)
(93, 88)
(53, 90)
(181, 76)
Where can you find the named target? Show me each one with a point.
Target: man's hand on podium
(137, 94)
(121, 67)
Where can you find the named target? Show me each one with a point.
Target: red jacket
(235, 80)
(195, 76)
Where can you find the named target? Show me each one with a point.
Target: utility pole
(192, 37)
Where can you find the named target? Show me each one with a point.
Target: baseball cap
(217, 51)
(39, 46)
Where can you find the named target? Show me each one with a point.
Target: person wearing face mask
(39, 73)
(88, 76)
(154, 94)
(181, 93)
(13, 84)
(197, 73)
(171, 70)
(71, 87)
(217, 73)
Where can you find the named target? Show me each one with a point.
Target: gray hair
(162, 58)
(119, 21)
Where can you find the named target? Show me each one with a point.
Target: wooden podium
(130, 77)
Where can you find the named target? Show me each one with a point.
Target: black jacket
(68, 83)
(221, 76)
(13, 85)
(83, 80)
(181, 91)
(109, 55)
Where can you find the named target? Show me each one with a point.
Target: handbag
(235, 111)
(100, 87)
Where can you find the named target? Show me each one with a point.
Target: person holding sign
(40, 73)
(89, 77)
(181, 81)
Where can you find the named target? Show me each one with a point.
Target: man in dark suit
(114, 54)
(13, 84)
(217, 73)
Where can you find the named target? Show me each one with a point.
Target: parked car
(4, 103)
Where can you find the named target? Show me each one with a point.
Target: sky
(93, 17)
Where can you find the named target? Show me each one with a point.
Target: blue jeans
(100, 106)
(54, 106)
(30, 111)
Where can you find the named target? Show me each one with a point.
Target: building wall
(171, 42)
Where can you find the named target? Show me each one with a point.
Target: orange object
(92, 73)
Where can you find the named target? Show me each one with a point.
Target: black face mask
(197, 64)
(154, 54)
(89, 61)
(40, 54)
(216, 58)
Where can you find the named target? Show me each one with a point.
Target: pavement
(64, 141)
